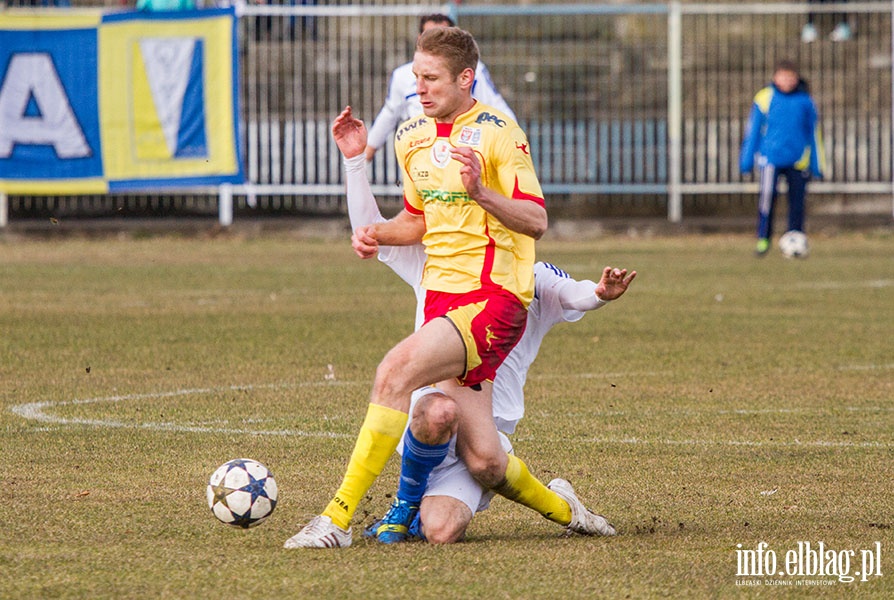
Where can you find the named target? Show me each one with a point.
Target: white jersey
(406, 261)
(557, 298)
(402, 102)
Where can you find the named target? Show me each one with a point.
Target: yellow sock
(522, 487)
(379, 435)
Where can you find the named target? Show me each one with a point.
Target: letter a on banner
(50, 141)
(35, 109)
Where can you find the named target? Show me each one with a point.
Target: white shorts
(452, 478)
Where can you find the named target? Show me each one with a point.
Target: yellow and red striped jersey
(466, 247)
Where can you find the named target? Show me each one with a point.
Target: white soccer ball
(242, 493)
(794, 244)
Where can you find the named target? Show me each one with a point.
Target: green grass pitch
(723, 402)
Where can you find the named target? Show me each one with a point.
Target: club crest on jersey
(470, 136)
(440, 153)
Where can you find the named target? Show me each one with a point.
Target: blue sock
(416, 465)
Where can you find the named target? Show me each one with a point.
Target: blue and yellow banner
(94, 103)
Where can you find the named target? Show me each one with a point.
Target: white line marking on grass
(601, 375)
(866, 367)
(842, 285)
(686, 412)
(762, 411)
(736, 443)
(36, 411)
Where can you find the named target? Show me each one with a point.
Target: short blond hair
(453, 44)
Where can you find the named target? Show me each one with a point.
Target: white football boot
(321, 532)
(808, 33)
(841, 33)
(583, 520)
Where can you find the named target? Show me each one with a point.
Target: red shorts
(490, 323)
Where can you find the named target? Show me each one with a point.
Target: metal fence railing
(625, 99)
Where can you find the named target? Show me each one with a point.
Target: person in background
(783, 136)
(402, 102)
(163, 5)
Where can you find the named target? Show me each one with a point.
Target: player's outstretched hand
(364, 242)
(614, 283)
(349, 133)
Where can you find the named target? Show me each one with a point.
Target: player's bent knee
(391, 381)
(444, 534)
(489, 471)
(444, 520)
(435, 418)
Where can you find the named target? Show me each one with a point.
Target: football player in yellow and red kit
(473, 199)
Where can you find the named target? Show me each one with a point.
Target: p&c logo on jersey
(486, 117)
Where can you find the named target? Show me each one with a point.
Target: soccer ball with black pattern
(794, 244)
(242, 493)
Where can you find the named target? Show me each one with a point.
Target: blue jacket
(783, 130)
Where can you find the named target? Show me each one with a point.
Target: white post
(225, 204)
(4, 210)
(674, 112)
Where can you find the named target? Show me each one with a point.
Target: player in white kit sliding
(451, 495)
